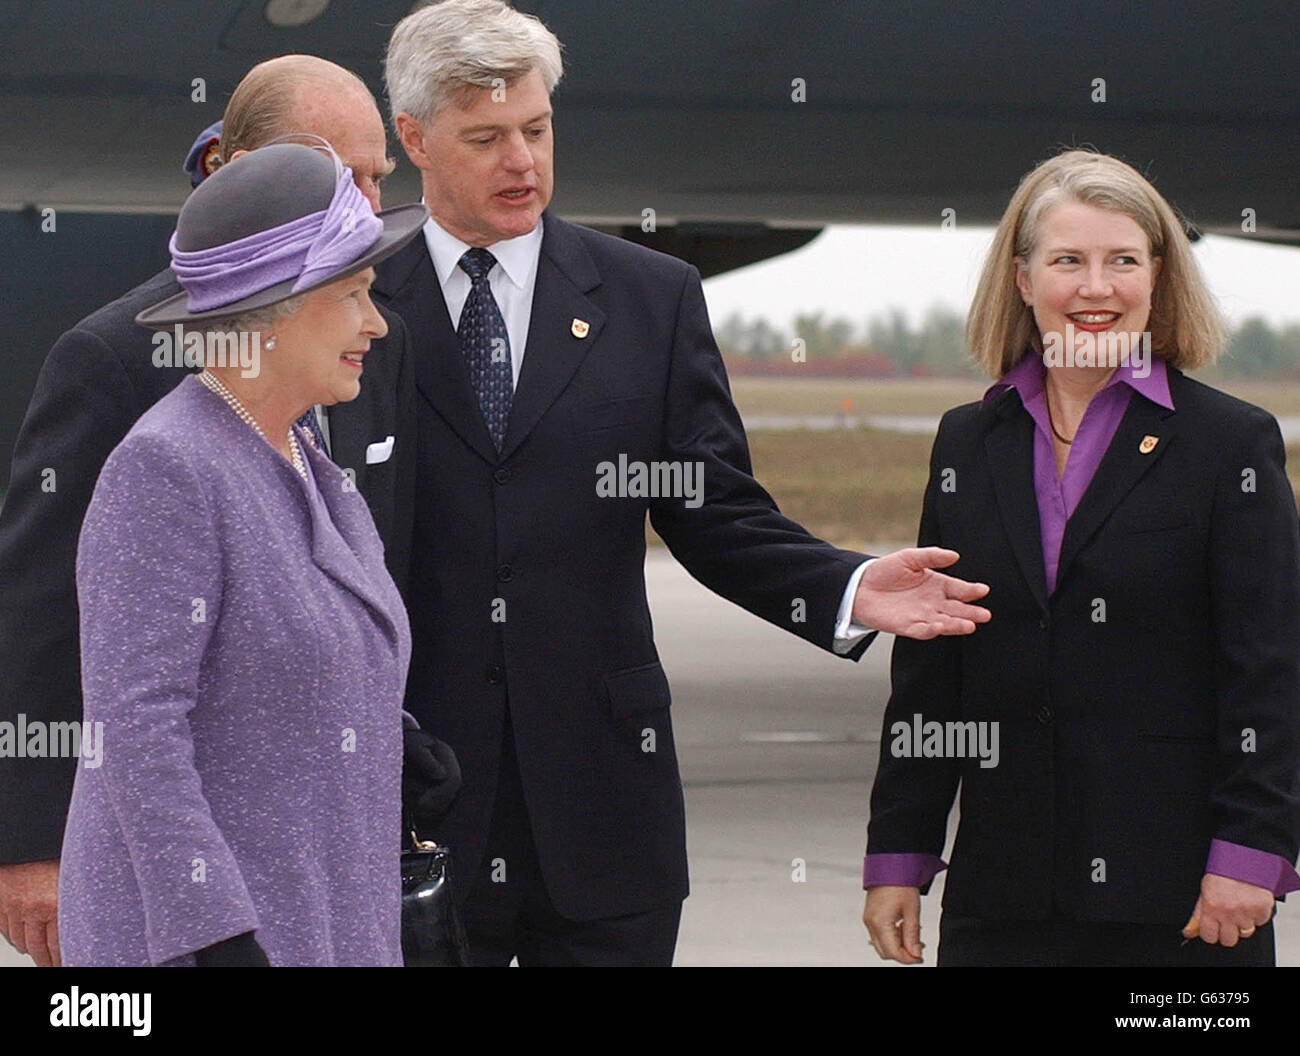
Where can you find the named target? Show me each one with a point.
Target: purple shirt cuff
(900, 870)
(1249, 865)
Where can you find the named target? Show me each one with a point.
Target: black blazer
(1122, 699)
(96, 381)
(569, 644)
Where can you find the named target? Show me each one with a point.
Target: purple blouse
(1057, 499)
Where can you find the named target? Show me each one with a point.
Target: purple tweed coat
(246, 651)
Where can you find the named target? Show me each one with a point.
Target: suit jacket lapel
(1122, 466)
(1010, 449)
(565, 275)
(407, 283)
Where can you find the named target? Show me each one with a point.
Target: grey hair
(258, 319)
(438, 51)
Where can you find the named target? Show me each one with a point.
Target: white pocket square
(380, 452)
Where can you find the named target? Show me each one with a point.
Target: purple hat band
(308, 249)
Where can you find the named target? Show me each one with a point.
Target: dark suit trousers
(969, 942)
(512, 916)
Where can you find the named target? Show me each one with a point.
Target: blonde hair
(1186, 328)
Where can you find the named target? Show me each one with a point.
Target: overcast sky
(863, 271)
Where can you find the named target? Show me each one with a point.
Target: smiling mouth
(353, 359)
(1093, 318)
(516, 194)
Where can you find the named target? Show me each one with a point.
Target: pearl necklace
(214, 383)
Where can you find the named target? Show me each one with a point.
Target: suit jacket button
(501, 475)
(1044, 714)
(505, 574)
(495, 674)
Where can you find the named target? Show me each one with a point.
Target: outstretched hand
(903, 594)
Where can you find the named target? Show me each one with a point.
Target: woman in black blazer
(1126, 729)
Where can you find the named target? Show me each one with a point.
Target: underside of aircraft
(724, 132)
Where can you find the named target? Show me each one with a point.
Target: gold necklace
(214, 383)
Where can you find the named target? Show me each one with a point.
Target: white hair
(437, 52)
(256, 318)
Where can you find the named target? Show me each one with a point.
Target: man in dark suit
(569, 383)
(97, 380)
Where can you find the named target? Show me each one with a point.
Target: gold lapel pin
(1148, 444)
(580, 328)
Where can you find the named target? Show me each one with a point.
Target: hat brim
(401, 224)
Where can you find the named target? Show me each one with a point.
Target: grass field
(756, 396)
(856, 487)
(849, 486)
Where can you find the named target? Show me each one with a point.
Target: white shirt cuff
(847, 633)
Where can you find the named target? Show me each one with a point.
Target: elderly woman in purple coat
(242, 642)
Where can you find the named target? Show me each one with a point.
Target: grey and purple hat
(282, 220)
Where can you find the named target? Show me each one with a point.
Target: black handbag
(432, 935)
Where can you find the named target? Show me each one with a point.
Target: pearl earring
(269, 342)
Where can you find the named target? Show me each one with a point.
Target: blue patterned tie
(486, 346)
(310, 423)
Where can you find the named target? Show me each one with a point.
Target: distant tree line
(889, 345)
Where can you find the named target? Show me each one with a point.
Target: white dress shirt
(511, 279)
(847, 632)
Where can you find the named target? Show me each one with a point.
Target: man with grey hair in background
(96, 381)
(544, 352)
